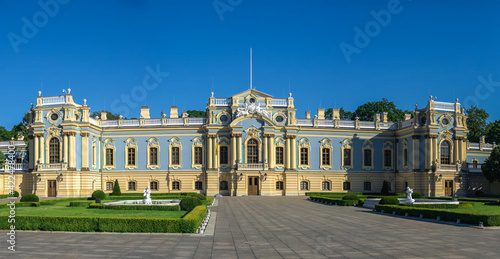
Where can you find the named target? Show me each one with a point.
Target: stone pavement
(274, 227)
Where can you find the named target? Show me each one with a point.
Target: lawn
(481, 208)
(61, 208)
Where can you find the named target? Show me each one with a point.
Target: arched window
(445, 153)
(54, 155)
(252, 151)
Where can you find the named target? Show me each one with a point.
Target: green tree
(366, 111)
(2, 159)
(493, 132)
(196, 114)
(5, 134)
(343, 114)
(116, 189)
(476, 123)
(109, 115)
(491, 167)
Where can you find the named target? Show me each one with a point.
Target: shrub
(14, 194)
(52, 223)
(116, 189)
(200, 196)
(80, 203)
(389, 200)
(135, 207)
(417, 195)
(189, 203)
(479, 193)
(98, 195)
(385, 188)
(350, 197)
(29, 197)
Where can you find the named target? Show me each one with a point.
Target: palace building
(249, 144)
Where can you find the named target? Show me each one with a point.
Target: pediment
(253, 92)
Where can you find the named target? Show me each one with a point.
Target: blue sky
(104, 50)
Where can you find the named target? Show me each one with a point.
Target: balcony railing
(325, 123)
(54, 100)
(279, 102)
(386, 125)
(52, 167)
(347, 124)
(444, 167)
(252, 166)
(197, 121)
(15, 167)
(442, 106)
(305, 122)
(366, 125)
(474, 167)
(130, 123)
(106, 124)
(222, 102)
(487, 146)
(407, 123)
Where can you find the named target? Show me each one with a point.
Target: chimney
(482, 140)
(336, 114)
(145, 112)
(173, 112)
(321, 113)
(376, 117)
(308, 115)
(185, 114)
(407, 116)
(385, 117)
(104, 115)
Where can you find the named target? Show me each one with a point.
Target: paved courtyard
(275, 227)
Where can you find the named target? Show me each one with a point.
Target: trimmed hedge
(30, 197)
(188, 224)
(389, 200)
(488, 220)
(201, 197)
(15, 194)
(339, 202)
(331, 194)
(80, 203)
(350, 197)
(98, 195)
(417, 195)
(135, 207)
(189, 203)
(439, 206)
(156, 194)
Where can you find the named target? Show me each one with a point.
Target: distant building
(249, 144)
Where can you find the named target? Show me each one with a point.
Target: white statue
(147, 196)
(252, 109)
(409, 192)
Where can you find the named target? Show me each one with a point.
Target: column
(209, 153)
(85, 151)
(272, 152)
(435, 148)
(294, 153)
(428, 152)
(65, 156)
(455, 153)
(36, 148)
(239, 148)
(265, 139)
(233, 150)
(72, 151)
(42, 149)
(416, 151)
(215, 163)
(287, 153)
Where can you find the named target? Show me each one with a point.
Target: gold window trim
(174, 142)
(325, 144)
(388, 145)
(305, 143)
(131, 143)
(224, 142)
(153, 143)
(197, 142)
(347, 144)
(368, 145)
(109, 143)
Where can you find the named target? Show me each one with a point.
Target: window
(54, 116)
(279, 155)
(153, 156)
(387, 158)
(474, 164)
(304, 156)
(445, 153)
(405, 157)
(176, 185)
(224, 153)
(367, 160)
(279, 185)
(19, 160)
(131, 186)
(347, 157)
(367, 186)
(279, 118)
(347, 186)
(198, 185)
(198, 155)
(325, 156)
(54, 156)
(109, 186)
(304, 185)
(223, 186)
(109, 156)
(153, 186)
(175, 156)
(325, 186)
(131, 156)
(93, 155)
(252, 152)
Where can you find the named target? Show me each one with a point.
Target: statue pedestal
(147, 201)
(410, 201)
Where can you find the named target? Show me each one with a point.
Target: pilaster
(85, 151)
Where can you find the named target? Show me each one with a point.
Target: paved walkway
(274, 227)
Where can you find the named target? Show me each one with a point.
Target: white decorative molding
(252, 109)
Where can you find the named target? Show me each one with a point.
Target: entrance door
(448, 187)
(253, 185)
(52, 188)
